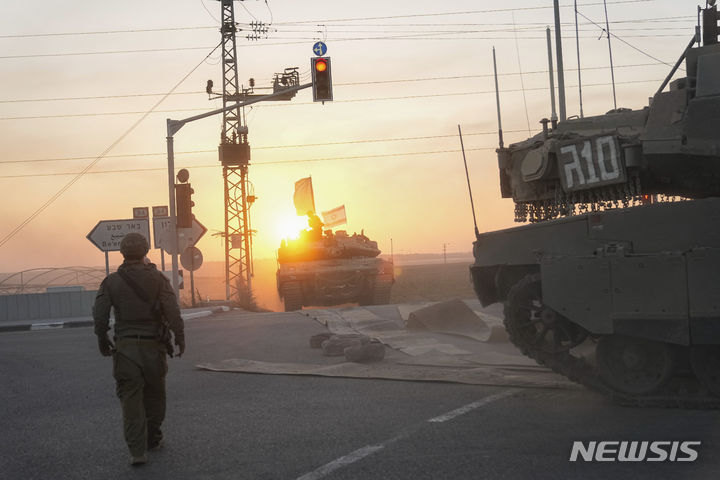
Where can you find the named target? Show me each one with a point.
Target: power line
(356, 100)
(105, 32)
(97, 97)
(469, 12)
(341, 84)
(255, 164)
(214, 27)
(111, 52)
(268, 147)
(674, 19)
(301, 40)
(625, 42)
(431, 36)
(85, 170)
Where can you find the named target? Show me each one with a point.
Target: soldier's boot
(136, 461)
(154, 446)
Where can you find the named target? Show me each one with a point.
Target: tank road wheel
(633, 365)
(705, 361)
(292, 296)
(535, 327)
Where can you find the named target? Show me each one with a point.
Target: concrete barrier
(41, 306)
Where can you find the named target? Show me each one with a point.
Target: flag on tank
(334, 217)
(303, 198)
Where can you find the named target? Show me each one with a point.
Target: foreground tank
(623, 293)
(332, 269)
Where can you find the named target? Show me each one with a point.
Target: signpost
(191, 259)
(141, 212)
(187, 237)
(160, 211)
(319, 49)
(108, 234)
(173, 126)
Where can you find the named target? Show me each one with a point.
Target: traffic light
(321, 79)
(183, 200)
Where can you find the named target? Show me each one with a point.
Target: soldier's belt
(139, 337)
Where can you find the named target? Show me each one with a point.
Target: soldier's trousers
(139, 368)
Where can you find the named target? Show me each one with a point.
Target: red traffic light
(320, 65)
(321, 69)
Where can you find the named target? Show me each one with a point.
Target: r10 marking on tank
(591, 163)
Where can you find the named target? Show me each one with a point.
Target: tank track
(381, 292)
(292, 296)
(675, 395)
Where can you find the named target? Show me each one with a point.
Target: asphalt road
(60, 418)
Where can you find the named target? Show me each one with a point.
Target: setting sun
(289, 227)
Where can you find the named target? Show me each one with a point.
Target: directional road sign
(319, 49)
(108, 234)
(141, 212)
(187, 237)
(160, 211)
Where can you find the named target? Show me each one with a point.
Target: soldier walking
(145, 307)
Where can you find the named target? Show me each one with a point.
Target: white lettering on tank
(573, 168)
(614, 171)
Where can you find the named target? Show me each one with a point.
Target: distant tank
(324, 269)
(615, 283)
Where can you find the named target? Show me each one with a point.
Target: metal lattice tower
(234, 153)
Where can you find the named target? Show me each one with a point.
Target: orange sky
(386, 150)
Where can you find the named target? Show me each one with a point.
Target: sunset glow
(289, 227)
(386, 148)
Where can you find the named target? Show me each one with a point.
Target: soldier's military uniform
(139, 358)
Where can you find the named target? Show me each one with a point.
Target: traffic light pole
(173, 126)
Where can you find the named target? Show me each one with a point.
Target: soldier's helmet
(134, 246)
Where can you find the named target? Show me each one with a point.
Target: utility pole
(234, 151)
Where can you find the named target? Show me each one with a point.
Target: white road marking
(471, 406)
(368, 450)
(352, 457)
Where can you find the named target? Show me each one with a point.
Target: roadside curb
(89, 323)
(45, 326)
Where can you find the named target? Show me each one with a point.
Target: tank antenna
(497, 101)
(560, 67)
(467, 176)
(612, 68)
(577, 46)
(553, 116)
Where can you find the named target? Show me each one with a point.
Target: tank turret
(666, 150)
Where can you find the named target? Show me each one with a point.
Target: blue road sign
(319, 49)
